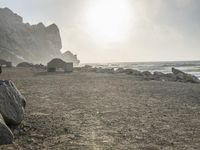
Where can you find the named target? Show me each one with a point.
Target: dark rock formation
(69, 57)
(21, 42)
(12, 103)
(6, 136)
(146, 73)
(184, 77)
(120, 70)
(132, 72)
(156, 73)
(5, 63)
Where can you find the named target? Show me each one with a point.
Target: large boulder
(6, 136)
(184, 77)
(12, 103)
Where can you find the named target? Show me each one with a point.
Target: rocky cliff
(24, 42)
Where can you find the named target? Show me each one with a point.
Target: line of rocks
(176, 75)
(12, 105)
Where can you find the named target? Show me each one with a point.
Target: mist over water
(191, 67)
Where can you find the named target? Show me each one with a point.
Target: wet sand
(98, 111)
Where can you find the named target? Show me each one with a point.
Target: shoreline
(89, 110)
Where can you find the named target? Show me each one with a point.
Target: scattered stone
(177, 75)
(12, 103)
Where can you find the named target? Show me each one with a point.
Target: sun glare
(109, 20)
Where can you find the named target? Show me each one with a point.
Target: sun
(108, 20)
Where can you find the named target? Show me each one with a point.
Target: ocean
(191, 67)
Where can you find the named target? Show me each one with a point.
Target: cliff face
(24, 42)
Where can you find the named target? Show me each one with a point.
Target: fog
(122, 30)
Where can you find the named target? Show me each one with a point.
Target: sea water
(191, 67)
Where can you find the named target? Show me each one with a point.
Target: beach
(101, 111)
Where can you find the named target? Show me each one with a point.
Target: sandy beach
(99, 111)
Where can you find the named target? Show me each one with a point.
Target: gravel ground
(94, 111)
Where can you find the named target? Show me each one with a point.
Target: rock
(5, 63)
(176, 71)
(184, 77)
(168, 77)
(136, 72)
(132, 72)
(156, 73)
(109, 70)
(146, 73)
(21, 42)
(6, 136)
(128, 71)
(120, 70)
(25, 64)
(12, 103)
(159, 76)
(99, 70)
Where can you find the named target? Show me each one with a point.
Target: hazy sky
(120, 30)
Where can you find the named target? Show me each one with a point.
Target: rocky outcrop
(69, 57)
(119, 70)
(5, 63)
(175, 76)
(12, 103)
(184, 77)
(21, 42)
(6, 136)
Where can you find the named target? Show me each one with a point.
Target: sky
(119, 30)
